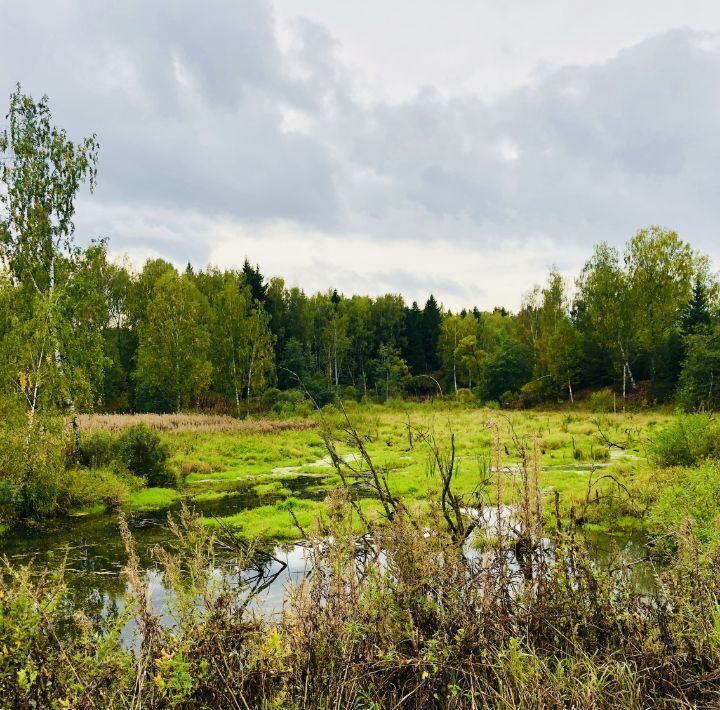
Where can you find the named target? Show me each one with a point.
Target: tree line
(81, 332)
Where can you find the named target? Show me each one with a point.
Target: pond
(94, 553)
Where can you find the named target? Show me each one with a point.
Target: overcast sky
(409, 146)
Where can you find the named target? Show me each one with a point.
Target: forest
(82, 332)
(217, 490)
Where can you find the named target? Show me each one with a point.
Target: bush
(143, 453)
(464, 397)
(602, 401)
(694, 494)
(290, 402)
(111, 486)
(97, 448)
(687, 441)
(351, 393)
(507, 398)
(137, 449)
(32, 466)
(320, 389)
(270, 397)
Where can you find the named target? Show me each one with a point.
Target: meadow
(596, 463)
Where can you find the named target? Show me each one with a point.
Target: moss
(209, 496)
(272, 521)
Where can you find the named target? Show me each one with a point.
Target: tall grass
(397, 614)
(191, 422)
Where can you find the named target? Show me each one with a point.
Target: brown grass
(191, 422)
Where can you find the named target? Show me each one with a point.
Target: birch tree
(174, 342)
(256, 354)
(660, 268)
(243, 352)
(452, 331)
(559, 344)
(605, 289)
(41, 173)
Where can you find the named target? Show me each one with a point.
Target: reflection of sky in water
(289, 566)
(95, 556)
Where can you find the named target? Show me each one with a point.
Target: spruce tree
(431, 319)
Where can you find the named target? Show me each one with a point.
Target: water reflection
(94, 556)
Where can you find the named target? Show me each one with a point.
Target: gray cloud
(200, 112)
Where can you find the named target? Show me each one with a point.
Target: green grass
(274, 487)
(89, 510)
(151, 499)
(209, 496)
(219, 464)
(275, 522)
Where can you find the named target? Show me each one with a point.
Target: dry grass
(192, 422)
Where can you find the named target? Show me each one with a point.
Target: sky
(462, 148)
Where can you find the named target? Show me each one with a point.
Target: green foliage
(111, 487)
(141, 450)
(32, 465)
(698, 388)
(138, 449)
(693, 494)
(696, 317)
(687, 440)
(174, 341)
(54, 349)
(602, 401)
(393, 372)
(506, 371)
(97, 449)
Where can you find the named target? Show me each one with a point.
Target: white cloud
(461, 147)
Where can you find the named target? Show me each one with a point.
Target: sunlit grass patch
(152, 499)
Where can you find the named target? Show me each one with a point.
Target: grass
(152, 499)
(217, 458)
(570, 443)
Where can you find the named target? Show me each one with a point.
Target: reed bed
(192, 422)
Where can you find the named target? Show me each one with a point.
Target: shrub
(694, 494)
(688, 440)
(112, 486)
(97, 448)
(270, 397)
(507, 398)
(464, 397)
(143, 453)
(351, 393)
(602, 401)
(32, 464)
(289, 402)
(138, 449)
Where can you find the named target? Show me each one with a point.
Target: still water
(94, 554)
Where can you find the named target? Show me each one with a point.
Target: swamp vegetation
(429, 573)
